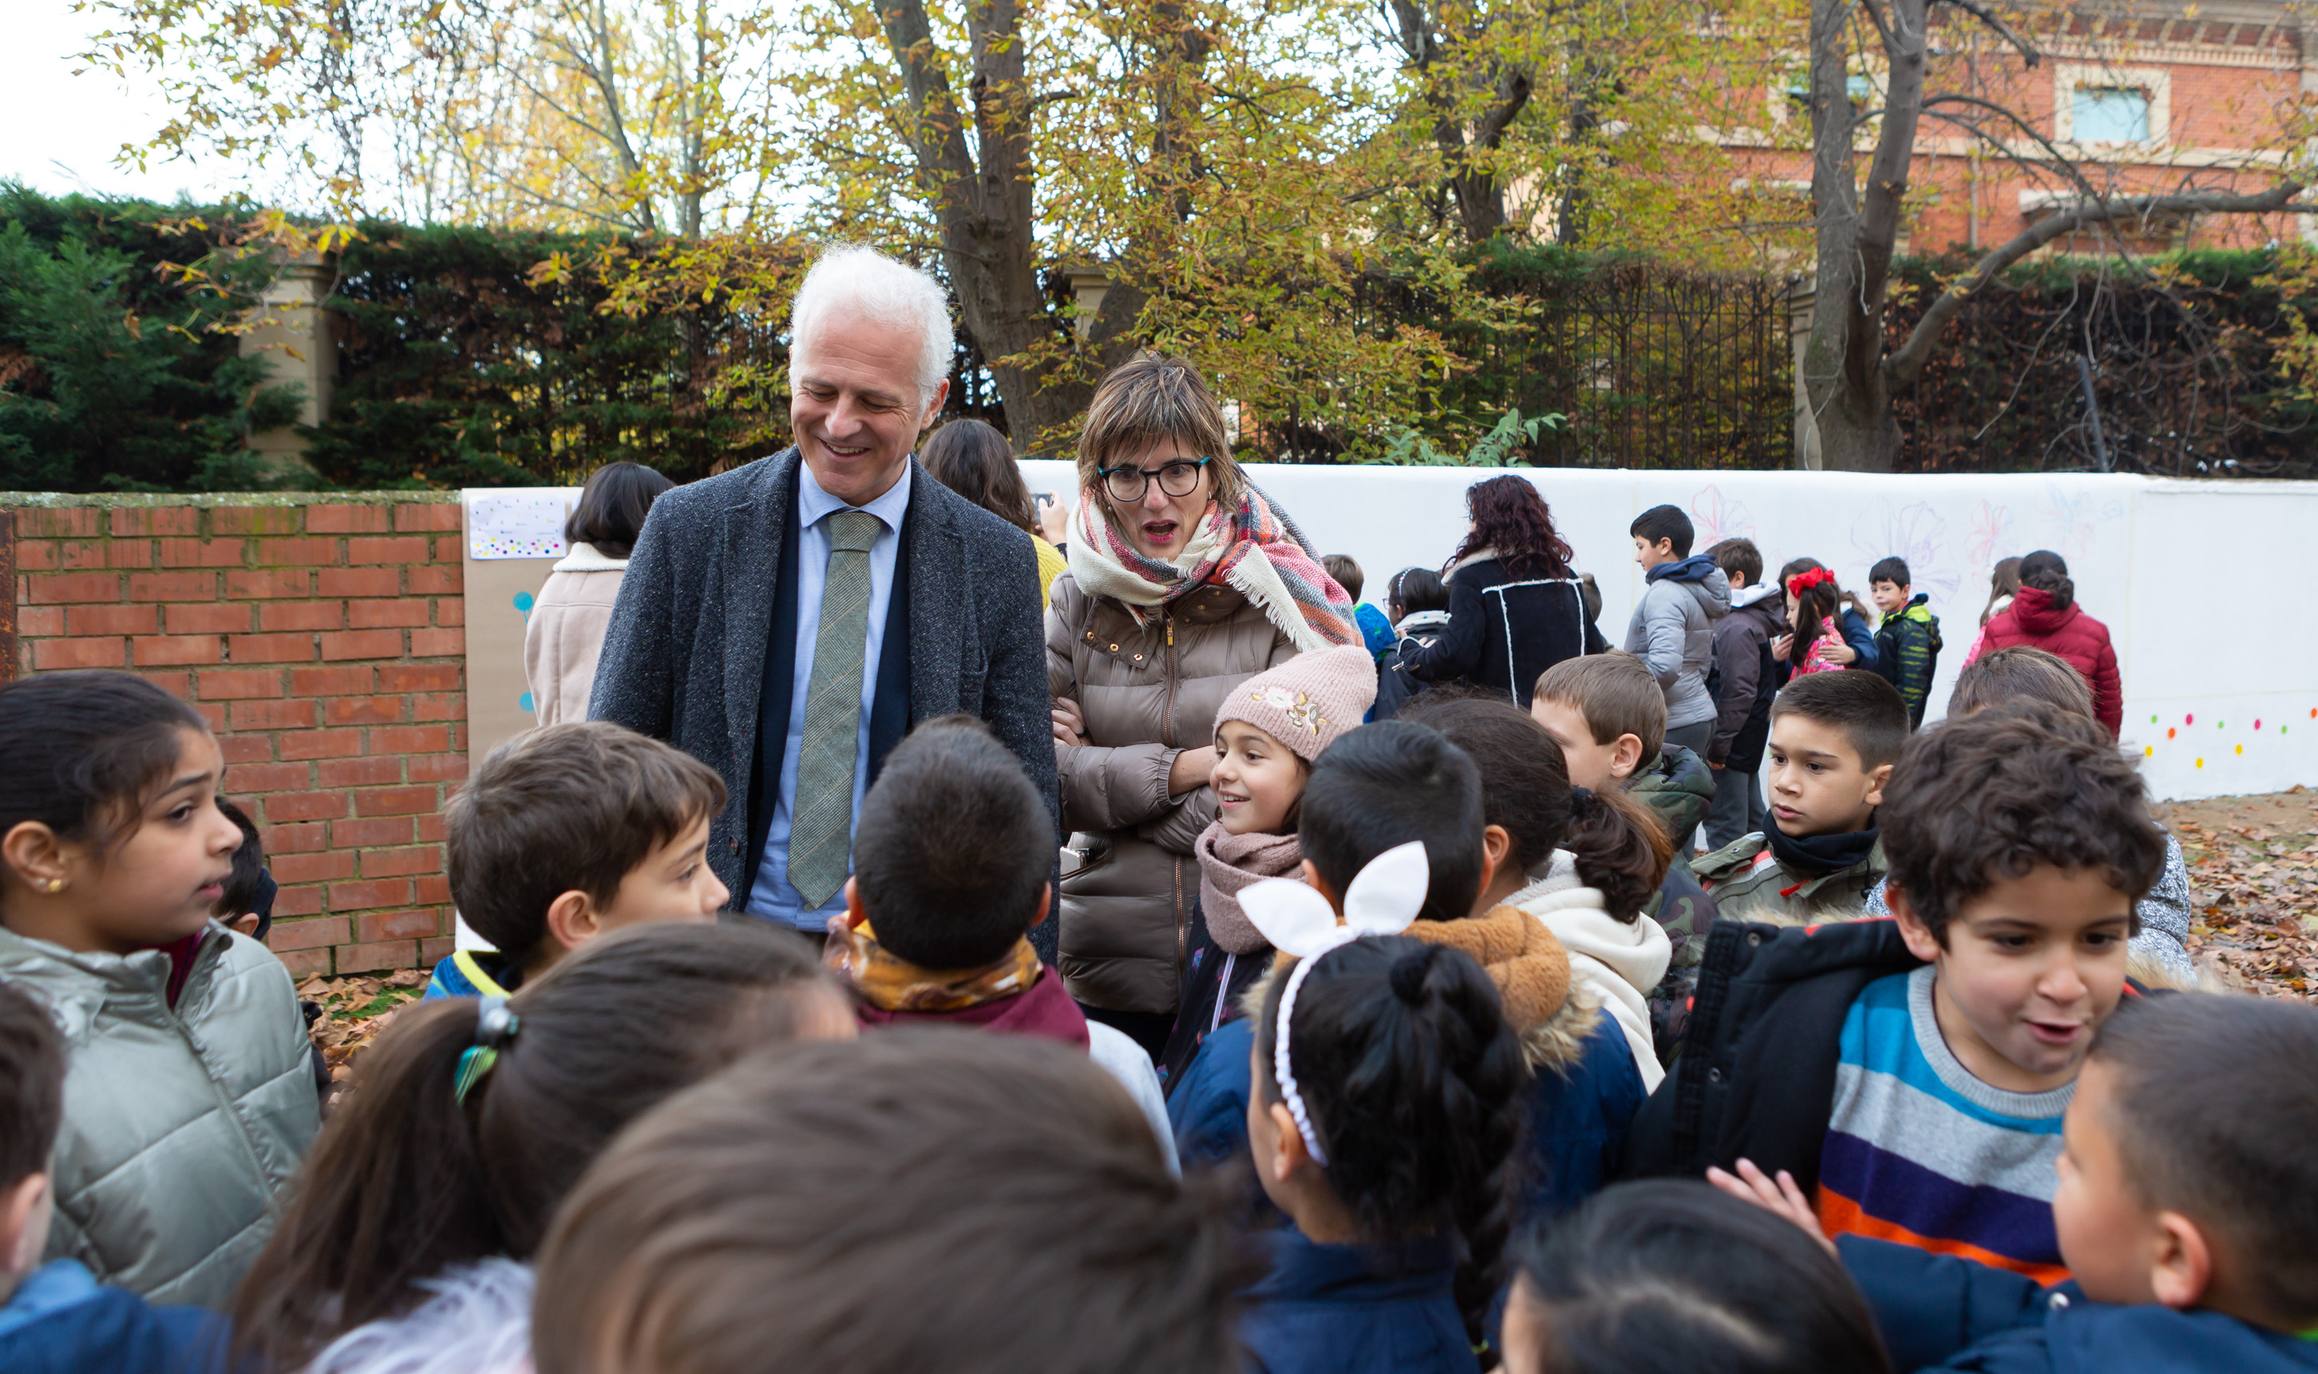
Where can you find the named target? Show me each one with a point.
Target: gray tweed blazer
(684, 660)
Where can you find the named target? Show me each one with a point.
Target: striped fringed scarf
(1255, 550)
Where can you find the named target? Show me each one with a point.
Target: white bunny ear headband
(1382, 899)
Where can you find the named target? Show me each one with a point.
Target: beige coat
(565, 632)
(1129, 881)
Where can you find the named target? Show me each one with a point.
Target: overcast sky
(63, 130)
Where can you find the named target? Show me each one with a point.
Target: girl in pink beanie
(1267, 734)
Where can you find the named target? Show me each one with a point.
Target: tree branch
(1908, 361)
(2003, 30)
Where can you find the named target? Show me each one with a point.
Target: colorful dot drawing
(524, 602)
(2257, 723)
(2152, 718)
(525, 702)
(2148, 751)
(2201, 763)
(2170, 732)
(2189, 720)
(2220, 724)
(2241, 751)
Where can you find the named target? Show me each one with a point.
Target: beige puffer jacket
(1129, 881)
(181, 1123)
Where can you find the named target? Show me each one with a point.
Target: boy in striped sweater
(1912, 1076)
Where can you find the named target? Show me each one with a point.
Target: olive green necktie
(821, 823)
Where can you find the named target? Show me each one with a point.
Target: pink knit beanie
(1306, 702)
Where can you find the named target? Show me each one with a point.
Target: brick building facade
(323, 638)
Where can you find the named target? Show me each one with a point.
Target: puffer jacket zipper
(1175, 866)
(206, 956)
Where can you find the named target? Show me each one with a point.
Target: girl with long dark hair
(1516, 607)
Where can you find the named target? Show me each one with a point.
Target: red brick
(435, 951)
(362, 895)
(181, 650)
(321, 744)
(395, 801)
(450, 610)
(275, 715)
(431, 828)
(129, 521)
(319, 933)
(402, 863)
(173, 586)
(311, 838)
(59, 522)
(438, 768)
(222, 618)
(35, 555)
(434, 515)
(439, 706)
(401, 612)
(312, 868)
(332, 682)
(292, 648)
(112, 620)
(78, 555)
(305, 806)
(361, 772)
(305, 963)
(255, 519)
(438, 643)
(297, 553)
(79, 653)
(215, 715)
(361, 582)
(302, 615)
(40, 622)
(299, 901)
(247, 748)
(205, 553)
(61, 587)
(364, 710)
(373, 957)
(449, 548)
(399, 925)
(434, 887)
(268, 583)
(349, 519)
(271, 777)
(438, 579)
(394, 549)
(385, 830)
(129, 554)
(346, 644)
(237, 684)
(177, 682)
(421, 677)
(411, 739)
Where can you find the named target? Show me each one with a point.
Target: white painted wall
(2197, 581)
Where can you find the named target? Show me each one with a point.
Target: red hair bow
(1807, 579)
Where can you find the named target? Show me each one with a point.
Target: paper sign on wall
(522, 523)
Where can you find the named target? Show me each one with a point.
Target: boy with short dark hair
(1911, 1075)
(1907, 642)
(2187, 1197)
(1376, 629)
(1672, 631)
(1834, 739)
(951, 860)
(56, 1318)
(568, 832)
(1743, 681)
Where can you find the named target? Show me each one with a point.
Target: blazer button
(1114, 648)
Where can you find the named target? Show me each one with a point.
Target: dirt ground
(2253, 878)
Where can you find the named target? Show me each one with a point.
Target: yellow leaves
(552, 270)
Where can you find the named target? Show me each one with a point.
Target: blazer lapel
(937, 577)
(754, 528)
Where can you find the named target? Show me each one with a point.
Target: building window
(2109, 114)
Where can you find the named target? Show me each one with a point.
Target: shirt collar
(815, 505)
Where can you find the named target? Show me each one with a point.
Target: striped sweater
(1921, 1152)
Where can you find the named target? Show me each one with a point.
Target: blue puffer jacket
(62, 1321)
(1941, 1312)
(1350, 1309)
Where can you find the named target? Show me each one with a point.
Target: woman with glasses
(1516, 607)
(1184, 581)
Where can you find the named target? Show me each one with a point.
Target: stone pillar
(1089, 283)
(293, 338)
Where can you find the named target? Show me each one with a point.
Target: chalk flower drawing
(1718, 518)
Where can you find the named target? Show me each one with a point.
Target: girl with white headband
(1386, 1121)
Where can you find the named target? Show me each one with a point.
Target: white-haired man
(787, 622)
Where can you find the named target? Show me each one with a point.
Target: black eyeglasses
(1177, 478)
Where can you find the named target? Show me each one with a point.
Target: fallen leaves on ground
(355, 1008)
(2253, 880)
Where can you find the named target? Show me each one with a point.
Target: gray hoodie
(1673, 632)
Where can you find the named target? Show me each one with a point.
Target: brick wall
(323, 636)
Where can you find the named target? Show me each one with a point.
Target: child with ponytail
(407, 1242)
(1386, 1123)
(1814, 641)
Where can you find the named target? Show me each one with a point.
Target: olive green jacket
(1748, 883)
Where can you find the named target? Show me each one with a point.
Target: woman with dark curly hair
(1516, 607)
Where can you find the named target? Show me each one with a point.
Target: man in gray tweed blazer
(786, 623)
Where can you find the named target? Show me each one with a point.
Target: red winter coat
(2070, 635)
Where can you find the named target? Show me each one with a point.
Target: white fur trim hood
(1613, 962)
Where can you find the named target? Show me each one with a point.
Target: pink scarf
(1253, 549)
(1227, 864)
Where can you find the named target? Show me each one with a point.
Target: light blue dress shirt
(771, 896)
